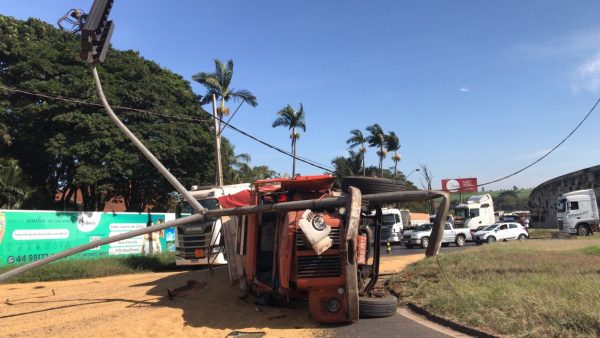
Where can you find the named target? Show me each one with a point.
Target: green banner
(27, 236)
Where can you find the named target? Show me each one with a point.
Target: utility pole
(218, 167)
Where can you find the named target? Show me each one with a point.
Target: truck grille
(188, 243)
(319, 266)
(386, 233)
(334, 234)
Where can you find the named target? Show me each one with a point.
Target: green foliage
(73, 147)
(592, 250)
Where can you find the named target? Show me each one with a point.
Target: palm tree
(356, 139)
(291, 119)
(377, 139)
(392, 143)
(218, 83)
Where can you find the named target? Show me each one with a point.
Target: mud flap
(353, 206)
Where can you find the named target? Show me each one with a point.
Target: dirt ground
(138, 306)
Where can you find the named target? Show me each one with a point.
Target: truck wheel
(460, 241)
(583, 230)
(491, 239)
(371, 307)
(424, 242)
(372, 185)
(522, 237)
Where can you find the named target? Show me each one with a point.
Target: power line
(79, 101)
(549, 152)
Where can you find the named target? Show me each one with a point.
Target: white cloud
(589, 75)
(464, 89)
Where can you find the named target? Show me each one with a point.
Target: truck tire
(583, 230)
(424, 242)
(491, 239)
(373, 307)
(460, 241)
(372, 185)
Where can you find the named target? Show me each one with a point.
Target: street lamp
(412, 172)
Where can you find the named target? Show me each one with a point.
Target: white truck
(391, 227)
(202, 243)
(577, 212)
(478, 211)
(421, 235)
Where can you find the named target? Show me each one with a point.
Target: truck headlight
(319, 223)
(333, 305)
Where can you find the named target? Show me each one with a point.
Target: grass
(530, 289)
(102, 267)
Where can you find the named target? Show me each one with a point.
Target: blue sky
(472, 88)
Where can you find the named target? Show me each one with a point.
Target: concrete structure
(542, 200)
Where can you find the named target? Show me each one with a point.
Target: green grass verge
(545, 288)
(92, 268)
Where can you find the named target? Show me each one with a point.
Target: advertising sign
(460, 184)
(27, 236)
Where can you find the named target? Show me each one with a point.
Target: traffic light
(96, 32)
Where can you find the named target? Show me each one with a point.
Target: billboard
(460, 184)
(27, 236)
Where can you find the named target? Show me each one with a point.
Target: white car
(504, 231)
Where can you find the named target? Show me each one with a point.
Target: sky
(472, 88)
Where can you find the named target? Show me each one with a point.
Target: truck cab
(201, 243)
(478, 211)
(577, 212)
(391, 227)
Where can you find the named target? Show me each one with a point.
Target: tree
(288, 117)
(392, 143)
(218, 84)
(377, 139)
(75, 148)
(355, 140)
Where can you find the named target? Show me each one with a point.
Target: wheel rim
(460, 241)
(425, 242)
(521, 237)
(583, 231)
(491, 240)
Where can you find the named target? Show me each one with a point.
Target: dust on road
(138, 306)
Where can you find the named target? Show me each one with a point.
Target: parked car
(479, 228)
(503, 231)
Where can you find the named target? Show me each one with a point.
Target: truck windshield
(210, 204)
(461, 213)
(561, 205)
(388, 219)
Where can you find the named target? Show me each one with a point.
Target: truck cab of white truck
(391, 227)
(201, 243)
(577, 212)
(478, 211)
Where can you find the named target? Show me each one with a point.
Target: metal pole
(218, 165)
(161, 168)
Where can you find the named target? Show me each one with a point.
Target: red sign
(460, 184)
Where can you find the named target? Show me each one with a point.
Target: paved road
(398, 250)
(402, 324)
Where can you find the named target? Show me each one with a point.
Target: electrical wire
(549, 152)
(79, 101)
